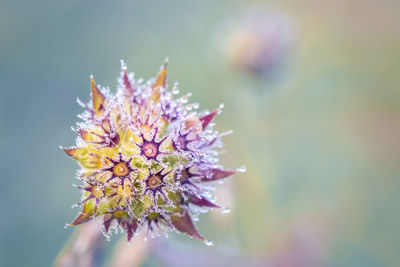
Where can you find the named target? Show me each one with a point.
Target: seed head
(148, 161)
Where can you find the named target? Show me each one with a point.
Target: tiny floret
(148, 161)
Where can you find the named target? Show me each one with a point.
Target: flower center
(121, 169)
(150, 150)
(154, 181)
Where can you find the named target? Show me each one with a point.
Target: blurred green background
(320, 136)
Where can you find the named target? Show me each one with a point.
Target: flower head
(148, 161)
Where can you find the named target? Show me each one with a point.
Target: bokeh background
(311, 89)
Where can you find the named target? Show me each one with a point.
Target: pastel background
(315, 117)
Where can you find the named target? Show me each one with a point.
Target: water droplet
(123, 65)
(175, 89)
(209, 243)
(80, 103)
(184, 99)
(241, 168)
(66, 226)
(226, 210)
(221, 106)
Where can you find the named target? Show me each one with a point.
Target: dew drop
(80, 103)
(175, 89)
(226, 210)
(123, 65)
(241, 168)
(209, 243)
(66, 226)
(184, 100)
(221, 106)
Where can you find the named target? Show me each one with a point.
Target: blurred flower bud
(258, 43)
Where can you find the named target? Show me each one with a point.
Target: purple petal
(206, 119)
(107, 223)
(130, 226)
(127, 83)
(218, 174)
(203, 202)
(185, 225)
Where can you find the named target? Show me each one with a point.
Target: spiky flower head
(148, 160)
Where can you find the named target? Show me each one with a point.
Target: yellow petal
(107, 204)
(87, 212)
(95, 135)
(106, 126)
(97, 98)
(159, 84)
(85, 157)
(128, 142)
(101, 134)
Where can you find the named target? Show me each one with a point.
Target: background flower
(258, 42)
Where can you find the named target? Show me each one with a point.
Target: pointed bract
(89, 136)
(85, 157)
(203, 202)
(218, 174)
(127, 83)
(206, 119)
(107, 220)
(159, 84)
(98, 98)
(185, 225)
(130, 227)
(81, 218)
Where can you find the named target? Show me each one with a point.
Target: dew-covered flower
(148, 160)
